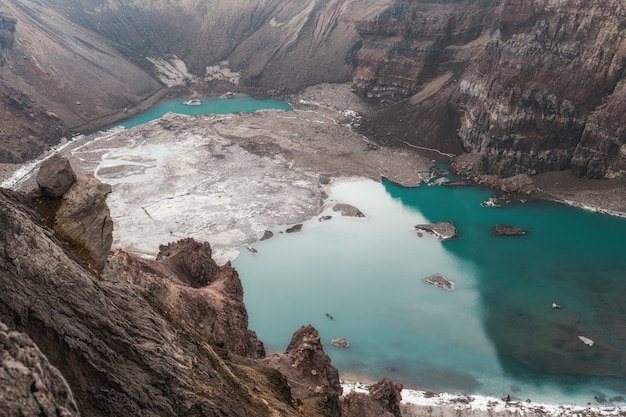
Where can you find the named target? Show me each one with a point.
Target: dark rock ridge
(29, 384)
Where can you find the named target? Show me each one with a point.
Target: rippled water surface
(495, 333)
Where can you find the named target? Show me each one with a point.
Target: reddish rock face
(191, 261)
(187, 283)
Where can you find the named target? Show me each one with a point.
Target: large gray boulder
(55, 176)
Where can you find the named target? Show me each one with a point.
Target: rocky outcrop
(187, 283)
(384, 400)
(55, 176)
(119, 350)
(84, 220)
(313, 379)
(191, 262)
(29, 384)
(76, 209)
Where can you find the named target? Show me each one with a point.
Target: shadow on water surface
(571, 257)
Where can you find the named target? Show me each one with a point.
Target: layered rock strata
(545, 93)
(527, 86)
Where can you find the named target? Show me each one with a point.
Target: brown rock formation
(313, 379)
(528, 86)
(29, 384)
(191, 261)
(84, 220)
(187, 283)
(383, 400)
(120, 351)
(55, 176)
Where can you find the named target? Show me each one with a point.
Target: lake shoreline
(602, 196)
(419, 403)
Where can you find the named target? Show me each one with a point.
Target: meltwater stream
(496, 333)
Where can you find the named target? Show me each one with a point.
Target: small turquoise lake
(208, 105)
(496, 333)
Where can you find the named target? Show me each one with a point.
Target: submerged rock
(348, 210)
(267, 235)
(506, 230)
(340, 342)
(440, 281)
(441, 230)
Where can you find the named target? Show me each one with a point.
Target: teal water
(210, 105)
(496, 333)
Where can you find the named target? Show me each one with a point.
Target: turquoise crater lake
(207, 105)
(496, 333)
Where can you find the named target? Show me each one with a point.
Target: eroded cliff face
(413, 56)
(547, 92)
(529, 86)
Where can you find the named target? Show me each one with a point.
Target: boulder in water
(441, 230)
(506, 230)
(440, 281)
